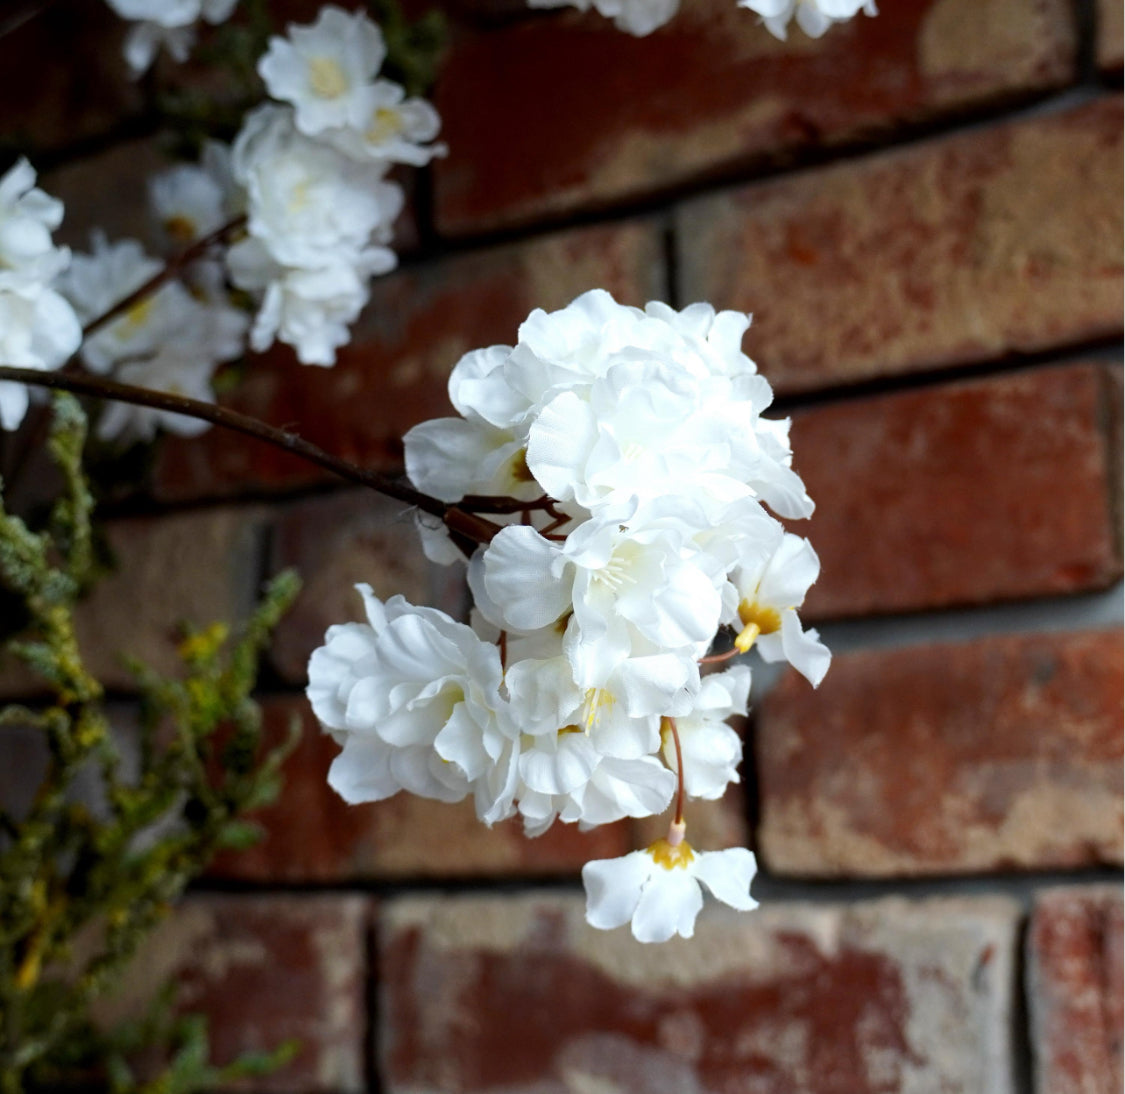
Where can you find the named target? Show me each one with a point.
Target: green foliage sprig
(80, 888)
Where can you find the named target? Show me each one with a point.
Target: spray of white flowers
(302, 192)
(611, 480)
(639, 467)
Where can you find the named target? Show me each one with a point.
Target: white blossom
(771, 582)
(391, 129)
(327, 70)
(167, 23)
(38, 327)
(636, 17)
(814, 17)
(187, 202)
(659, 890)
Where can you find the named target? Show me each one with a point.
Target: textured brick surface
(603, 117)
(265, 970)
(1074, 979)
(965, 493)
(62, 76)
(335, 542)
(1001, 240)
(1110, 25)
(996, 754)
(313, 835)
(197, 568)
(392, 375)
(519, 994)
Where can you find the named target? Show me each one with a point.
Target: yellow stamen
(756, 620)
(385, 123)
(669, 856)
(326, 78)
(180, 229)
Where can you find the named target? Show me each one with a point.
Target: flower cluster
(38, 328)
(312, 176)
(642, 17)
(167, 23)
(633, 447)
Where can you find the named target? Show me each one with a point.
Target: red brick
(266, 969)
(392, 375)
(1110, 24)
(63, 78)
(199, 567)
(487, 994)
(313, 835)
(998, 754)
(997, 241)
(1075, 991)
(967, 493)
(567, 112)
(333, 543)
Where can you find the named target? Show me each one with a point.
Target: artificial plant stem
(252, 427)
(170, 269)
(679, 818)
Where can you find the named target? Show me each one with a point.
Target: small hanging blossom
(636, 17)
(167, 23)
(658, 891)
(642, 489)
(38, 327)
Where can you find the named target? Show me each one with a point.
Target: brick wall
(924, 212)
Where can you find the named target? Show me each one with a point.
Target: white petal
(362, 771)
(520, 577)
(669, 904)
(613, 888)
(728, 875)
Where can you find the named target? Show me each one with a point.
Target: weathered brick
(485, 994)
(266, 969)
(392, 374)
(335, 542)
(63, 79)
(990, 755)
(967, 493)
(1075, 990)
(604, 117)
(1110, 30)
(313, 835)
(998, 241)
(198, 568)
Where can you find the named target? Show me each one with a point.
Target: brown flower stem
(671, 723)
(474, 527)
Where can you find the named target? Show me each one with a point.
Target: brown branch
(170, 269)
(475, 527)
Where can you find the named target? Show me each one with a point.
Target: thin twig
(170, 269)
(243, 423)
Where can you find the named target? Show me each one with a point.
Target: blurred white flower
(326, 70)
(637, 17)
(38, 327)
(167, 23)
(392, 129)
(814, 17)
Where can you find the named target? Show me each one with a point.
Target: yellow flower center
(180, 229)
(756, 620)
(669, 856)
(385, 124)
(138, 314)
(596, 700)
(326, 78)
